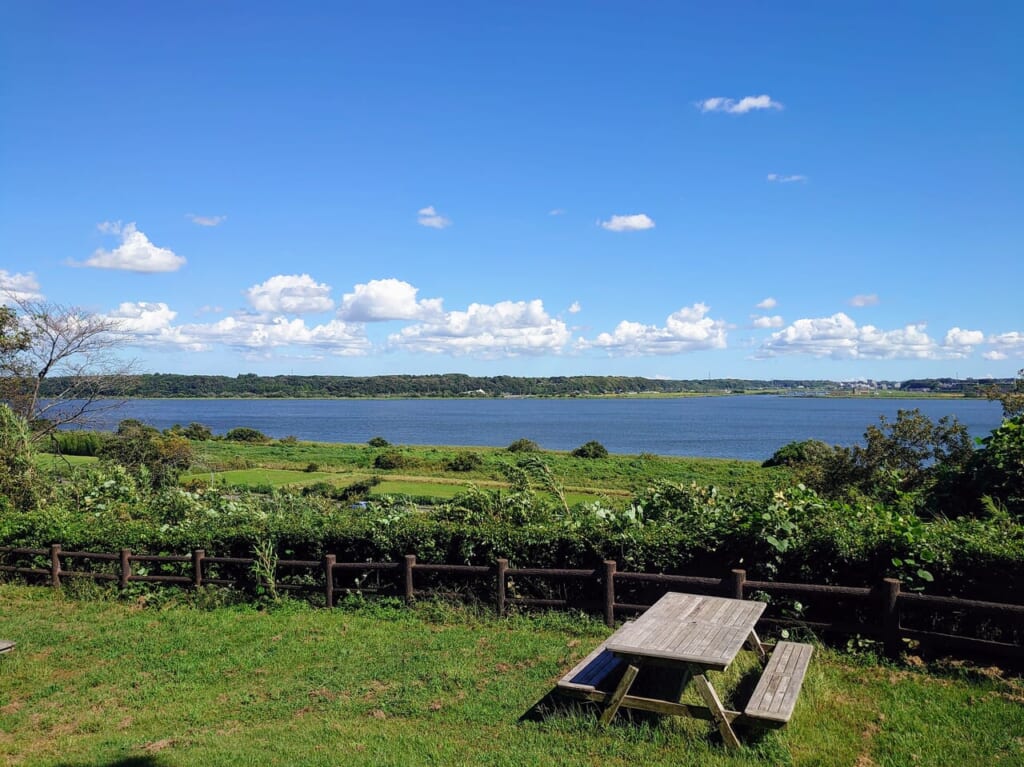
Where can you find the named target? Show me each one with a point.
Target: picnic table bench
(647, 664)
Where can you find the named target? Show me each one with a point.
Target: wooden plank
(588, 674)
(718, 712)
(620, 692)
(775, 696)
(6, 646)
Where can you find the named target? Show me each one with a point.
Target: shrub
(245, 434)
(291, 439)
(76, 442)
(524, 445)
(311, 467)
(391, 460)
(465, 462)
(592, 449)
(378, 442)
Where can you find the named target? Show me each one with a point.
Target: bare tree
(71, 348)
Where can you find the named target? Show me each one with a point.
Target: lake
(746, 427)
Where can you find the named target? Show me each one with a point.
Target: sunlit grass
(99, 683)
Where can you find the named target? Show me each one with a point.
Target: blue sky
(666, 189)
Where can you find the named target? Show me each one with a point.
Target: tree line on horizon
(463, 385)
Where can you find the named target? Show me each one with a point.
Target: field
(427, 471)
(96, 682)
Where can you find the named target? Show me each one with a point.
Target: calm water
(749, 427)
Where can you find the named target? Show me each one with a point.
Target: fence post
(609, 592)
(738, 578)
(890, 594)
(329, 561)
(197, 567)
(126, 568)
(55, 565)
(410, 563)
(502, 585)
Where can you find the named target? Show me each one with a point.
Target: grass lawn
(96, 682)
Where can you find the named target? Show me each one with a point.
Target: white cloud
(505, 329)
(556, 212)
(776, 178)
(575, 307)
(687, 330)
(206, 220)
(839, 337)
(868, 299)
(431, 218)
(768, 303)
(631, 223)
(995, 356)
(961, 343)
(1008, 344)
(774, 321)
(291, 294)
(388, 299)
(744, 105)
(18, 287)
(149, 324)
(135, 253)
(152, 325)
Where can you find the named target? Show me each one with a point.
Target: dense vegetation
(460, 385)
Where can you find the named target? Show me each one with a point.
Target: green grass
(426, 472)
(102, 683)
(49, 461)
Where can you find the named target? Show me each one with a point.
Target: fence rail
(879, 611)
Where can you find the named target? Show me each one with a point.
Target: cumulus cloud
(995, 356)
(631, 223)
(575, 307)
(961, 343)
(556, 212)
(291, 294)
(734, 107)
(505, 329)
(388, 299)
(780, 179)
(1008, 344)
(18, 287)
(147, 324)
(868, 299)
(206, 220)
(135, 253)
(689, 329)
(429, 217)
(839, 337)
(768, 303)
(764, 321)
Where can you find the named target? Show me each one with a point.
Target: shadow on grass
(128, 761)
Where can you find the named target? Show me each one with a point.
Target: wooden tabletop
(689, 628)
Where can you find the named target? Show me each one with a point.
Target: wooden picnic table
(674, 644)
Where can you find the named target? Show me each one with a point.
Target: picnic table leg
(707, 692)
(754, 642)
(620, 692)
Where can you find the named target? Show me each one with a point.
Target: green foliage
(378, 442)
(246, 434)
(465, 462)
(999, 466)
(153, 458)
(20, 486)
(392, 459)
(76, 442)
(311, 468)
(591, 449)
(523, 445)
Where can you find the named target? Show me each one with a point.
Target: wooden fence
(878, 612)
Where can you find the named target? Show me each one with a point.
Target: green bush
(523, 445)
(392, 460)
(465, 462)
(76, 442)
(592, 449)
(246, 434)
(378, 442)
